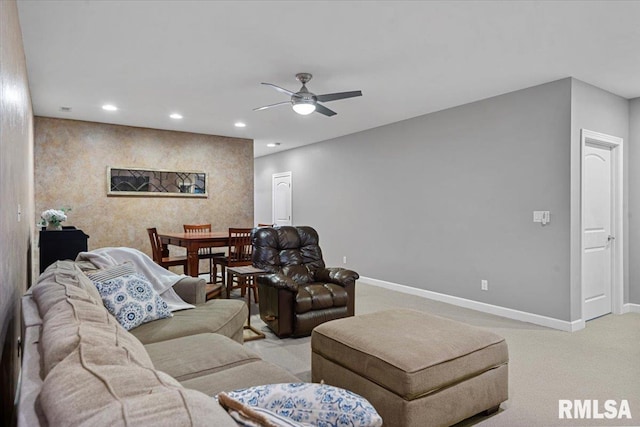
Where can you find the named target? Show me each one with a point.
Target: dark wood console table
(60, 244)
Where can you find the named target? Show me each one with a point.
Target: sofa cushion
(100, 385)
(49, 294)
(241, 376)
(60, 286)
(75, 275)
(130, 297)
(191, 290)
(221, 316)
(200, 354)
(72, 322)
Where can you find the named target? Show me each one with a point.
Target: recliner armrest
(191, 290)
(279, 281)
(339, 276)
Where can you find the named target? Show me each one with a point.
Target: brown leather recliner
(300, 293)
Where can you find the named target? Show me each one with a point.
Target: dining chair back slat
(197, 228)
(240, 254)
(156, 245)
(207, 253)
(240, 247)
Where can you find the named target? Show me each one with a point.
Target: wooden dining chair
(156, 250)
(240, 253)
(205, 253)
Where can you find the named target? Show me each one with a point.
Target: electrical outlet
(484, 285)
(344, 259)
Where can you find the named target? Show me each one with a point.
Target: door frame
(617, 246)
(273, 195)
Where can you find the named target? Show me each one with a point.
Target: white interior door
(597, 231)
(281, 198)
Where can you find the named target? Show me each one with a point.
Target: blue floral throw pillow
(299, 404)
(131, 299)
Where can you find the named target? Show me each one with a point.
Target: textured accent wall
(71, 160)
(16, 194)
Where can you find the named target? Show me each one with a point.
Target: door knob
(610, 238)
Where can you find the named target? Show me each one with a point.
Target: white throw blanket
(160, 278)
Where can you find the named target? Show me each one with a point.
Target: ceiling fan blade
(279, 89)
(272, 105)
(324, 110)
(340, 95)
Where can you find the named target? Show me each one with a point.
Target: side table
(249, 273)
(60, 244)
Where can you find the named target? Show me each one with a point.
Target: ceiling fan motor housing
(304, 98)
(303, 77)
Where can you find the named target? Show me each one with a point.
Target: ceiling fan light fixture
(304, 108)
(304, 102)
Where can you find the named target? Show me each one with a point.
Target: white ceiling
(206, 59)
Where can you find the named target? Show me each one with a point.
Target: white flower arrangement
(54, 216)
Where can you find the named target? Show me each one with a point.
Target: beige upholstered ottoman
(415, 369)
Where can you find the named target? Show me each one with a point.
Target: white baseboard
(631, 308)
(509, 313)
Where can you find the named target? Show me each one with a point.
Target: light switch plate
(539, 216)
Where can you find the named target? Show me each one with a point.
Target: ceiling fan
(304, 102)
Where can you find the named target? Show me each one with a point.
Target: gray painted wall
(634, 200)
(441, 201)
(600, 111)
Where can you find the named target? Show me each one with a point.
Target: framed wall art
(123, 181)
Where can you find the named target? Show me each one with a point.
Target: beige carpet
(600, 362)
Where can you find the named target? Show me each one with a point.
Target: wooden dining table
(193, 242)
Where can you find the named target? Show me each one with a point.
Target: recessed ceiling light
(176, 116)
(273, 144)
(240, 124)
(109, 107)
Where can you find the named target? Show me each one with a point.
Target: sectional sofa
(81, 367)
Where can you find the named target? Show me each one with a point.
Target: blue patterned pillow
(299, 404)
(131, 299)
